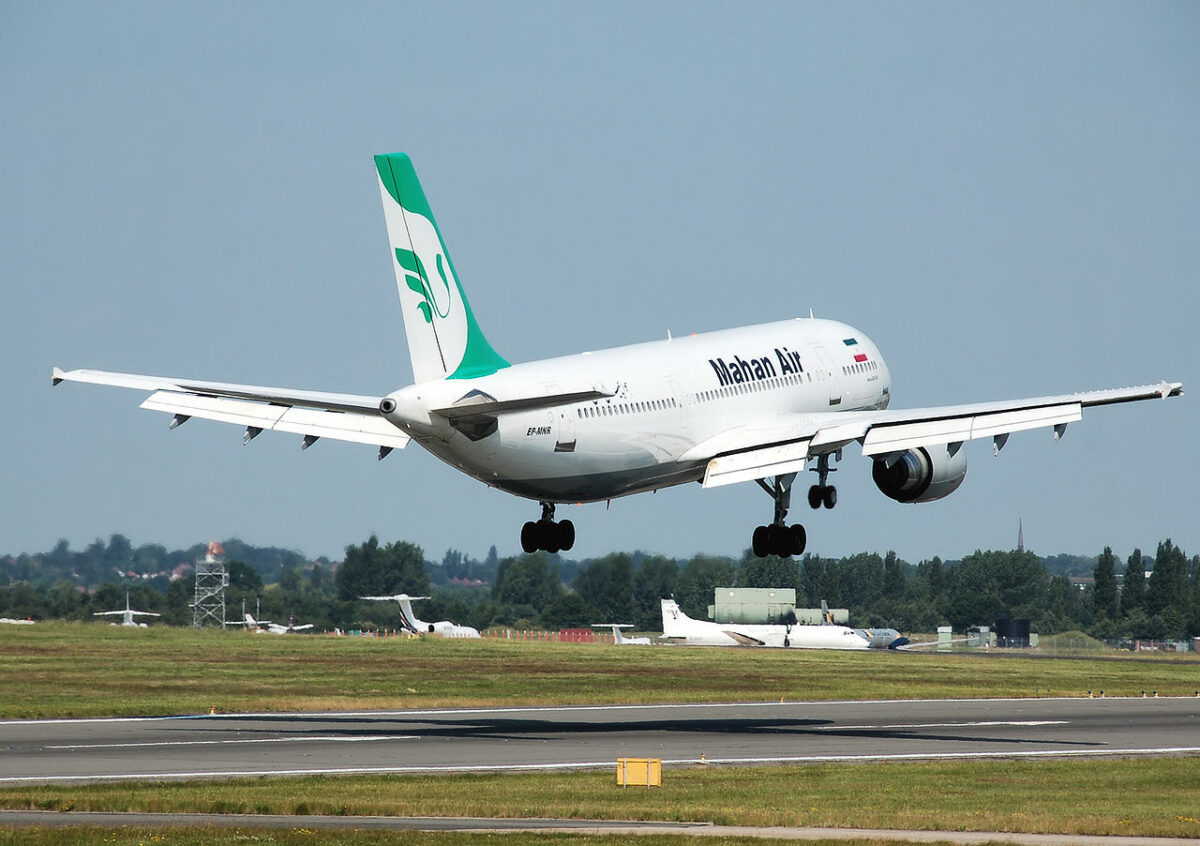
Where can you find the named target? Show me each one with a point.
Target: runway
(581, 737)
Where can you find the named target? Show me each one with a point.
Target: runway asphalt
(565, 738)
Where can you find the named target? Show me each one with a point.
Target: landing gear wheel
(814, 497)
(565, 534)
(799, 538)
(830, 497)
(760, 543)
(546, 534)
(529, 537)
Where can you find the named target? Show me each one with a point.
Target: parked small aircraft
(409, 620)
(678, 627)
(267, 627)
(127, 615)
(620, 639)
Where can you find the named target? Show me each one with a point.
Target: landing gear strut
(823, 493)
(779, 538)
(546, 534)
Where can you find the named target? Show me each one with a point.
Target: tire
(830, 496)
(529, 537)
(799, 539)
(760, 543)
(814, 497)
(566, 535)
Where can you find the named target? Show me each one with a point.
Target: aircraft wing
(123, 613)
(343, 417)
(785, 443)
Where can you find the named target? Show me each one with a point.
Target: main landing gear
(823, 493)
(547, 535)
(779, 538)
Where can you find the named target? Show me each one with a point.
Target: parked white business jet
(758, 403)
(127, 615)
(409, 620)
(678, 627)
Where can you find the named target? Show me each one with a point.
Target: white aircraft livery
(415, 625)
(752, 404)
(678, 627)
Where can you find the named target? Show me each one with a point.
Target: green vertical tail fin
(444, 341)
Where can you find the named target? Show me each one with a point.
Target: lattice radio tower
(211, 581)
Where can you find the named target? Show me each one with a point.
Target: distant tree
(694, 589)
(64, 601)
(893, 576)
(530, 580)
(861, 579)
(1133, 594)
(1167, 589)
(606, 584)
(371, 569)
(829, 588)
(769, 572)
(808, 587)
(1105, 598)
(243, 576)
(985, 585)
(655, 579)
(569, 611)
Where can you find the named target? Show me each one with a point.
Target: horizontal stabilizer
(283, 396)
(310, 422)
(477, 403)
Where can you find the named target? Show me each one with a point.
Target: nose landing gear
(779, 538)
(546, 534)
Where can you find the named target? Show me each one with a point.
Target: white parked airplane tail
(444, 341)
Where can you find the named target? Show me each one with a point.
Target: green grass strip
(80, 669)
(1145, 797)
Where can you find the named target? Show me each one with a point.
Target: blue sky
(1006, 198)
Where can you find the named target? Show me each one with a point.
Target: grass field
(87, 670)
(1148, 797)
(84, 669)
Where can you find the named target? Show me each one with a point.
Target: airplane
(678, 627)
(127, 615)
(620, 639)
(752, 404)
(267, 627)
(876, 638)
(410, 622)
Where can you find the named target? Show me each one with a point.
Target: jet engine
(920, 475)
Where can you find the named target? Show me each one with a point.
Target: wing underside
(785, 444)
(314, 415)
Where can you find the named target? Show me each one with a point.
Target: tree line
(548, 591)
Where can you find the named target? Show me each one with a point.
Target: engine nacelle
(922, 474)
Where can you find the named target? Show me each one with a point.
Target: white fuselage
(667, 397)
(682, 629)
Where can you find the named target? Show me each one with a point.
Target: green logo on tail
(418, 281)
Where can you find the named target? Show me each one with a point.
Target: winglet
(57, 376)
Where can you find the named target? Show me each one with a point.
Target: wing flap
(336, 425)
(756, 464)
(897, 437)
